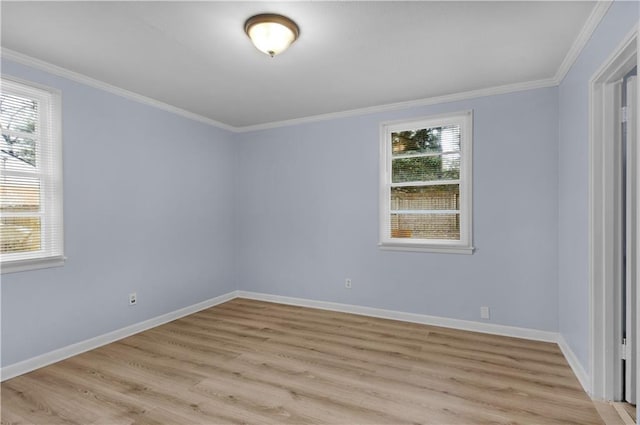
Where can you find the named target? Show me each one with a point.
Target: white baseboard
(575, 364)
(33, 363)
(511, 331)
(466, 325)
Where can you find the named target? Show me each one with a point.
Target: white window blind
(31, 222)
(425, 184)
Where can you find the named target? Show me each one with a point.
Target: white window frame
(463, 246)
(49, 142)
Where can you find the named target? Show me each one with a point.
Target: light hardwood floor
(254, 362)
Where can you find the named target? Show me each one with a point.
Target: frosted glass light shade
(270, 33)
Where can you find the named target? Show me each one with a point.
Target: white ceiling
(350, 55)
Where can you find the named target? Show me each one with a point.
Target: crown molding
(490, 91)
(101, 85)
(598, 12)
(583, 37)
(596, 15)
(23, 59)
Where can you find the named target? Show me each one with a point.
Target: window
(31, 234)
(425, 184)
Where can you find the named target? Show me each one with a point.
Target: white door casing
(605, 250)
(631, 240)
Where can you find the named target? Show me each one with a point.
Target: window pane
(426, 140)
(441, 197)
(19, 234)
(425, 226)
(19, 194)
(18, 113)
(17, 153)
(428, 168)
(31, 225)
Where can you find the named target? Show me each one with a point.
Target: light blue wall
(308, 216)
(574, 177)
(181, 212)
(147, 198)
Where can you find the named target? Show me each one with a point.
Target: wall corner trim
(54, 356)
(575, 364)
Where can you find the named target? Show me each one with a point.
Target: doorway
(628, 231)
(613, 229)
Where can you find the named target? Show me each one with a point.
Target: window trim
(55, 198)
(465, 244)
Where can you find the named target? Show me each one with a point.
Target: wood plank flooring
(254, 362)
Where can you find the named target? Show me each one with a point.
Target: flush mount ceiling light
(271, 33)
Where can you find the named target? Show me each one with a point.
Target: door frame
(604, 251)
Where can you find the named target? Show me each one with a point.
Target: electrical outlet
(484, 312)
(133, 298)
(347, 283)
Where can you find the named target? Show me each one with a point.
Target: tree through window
(426, 184)
(31, 180)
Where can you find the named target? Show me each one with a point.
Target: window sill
(440, 249)
(32, 264)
